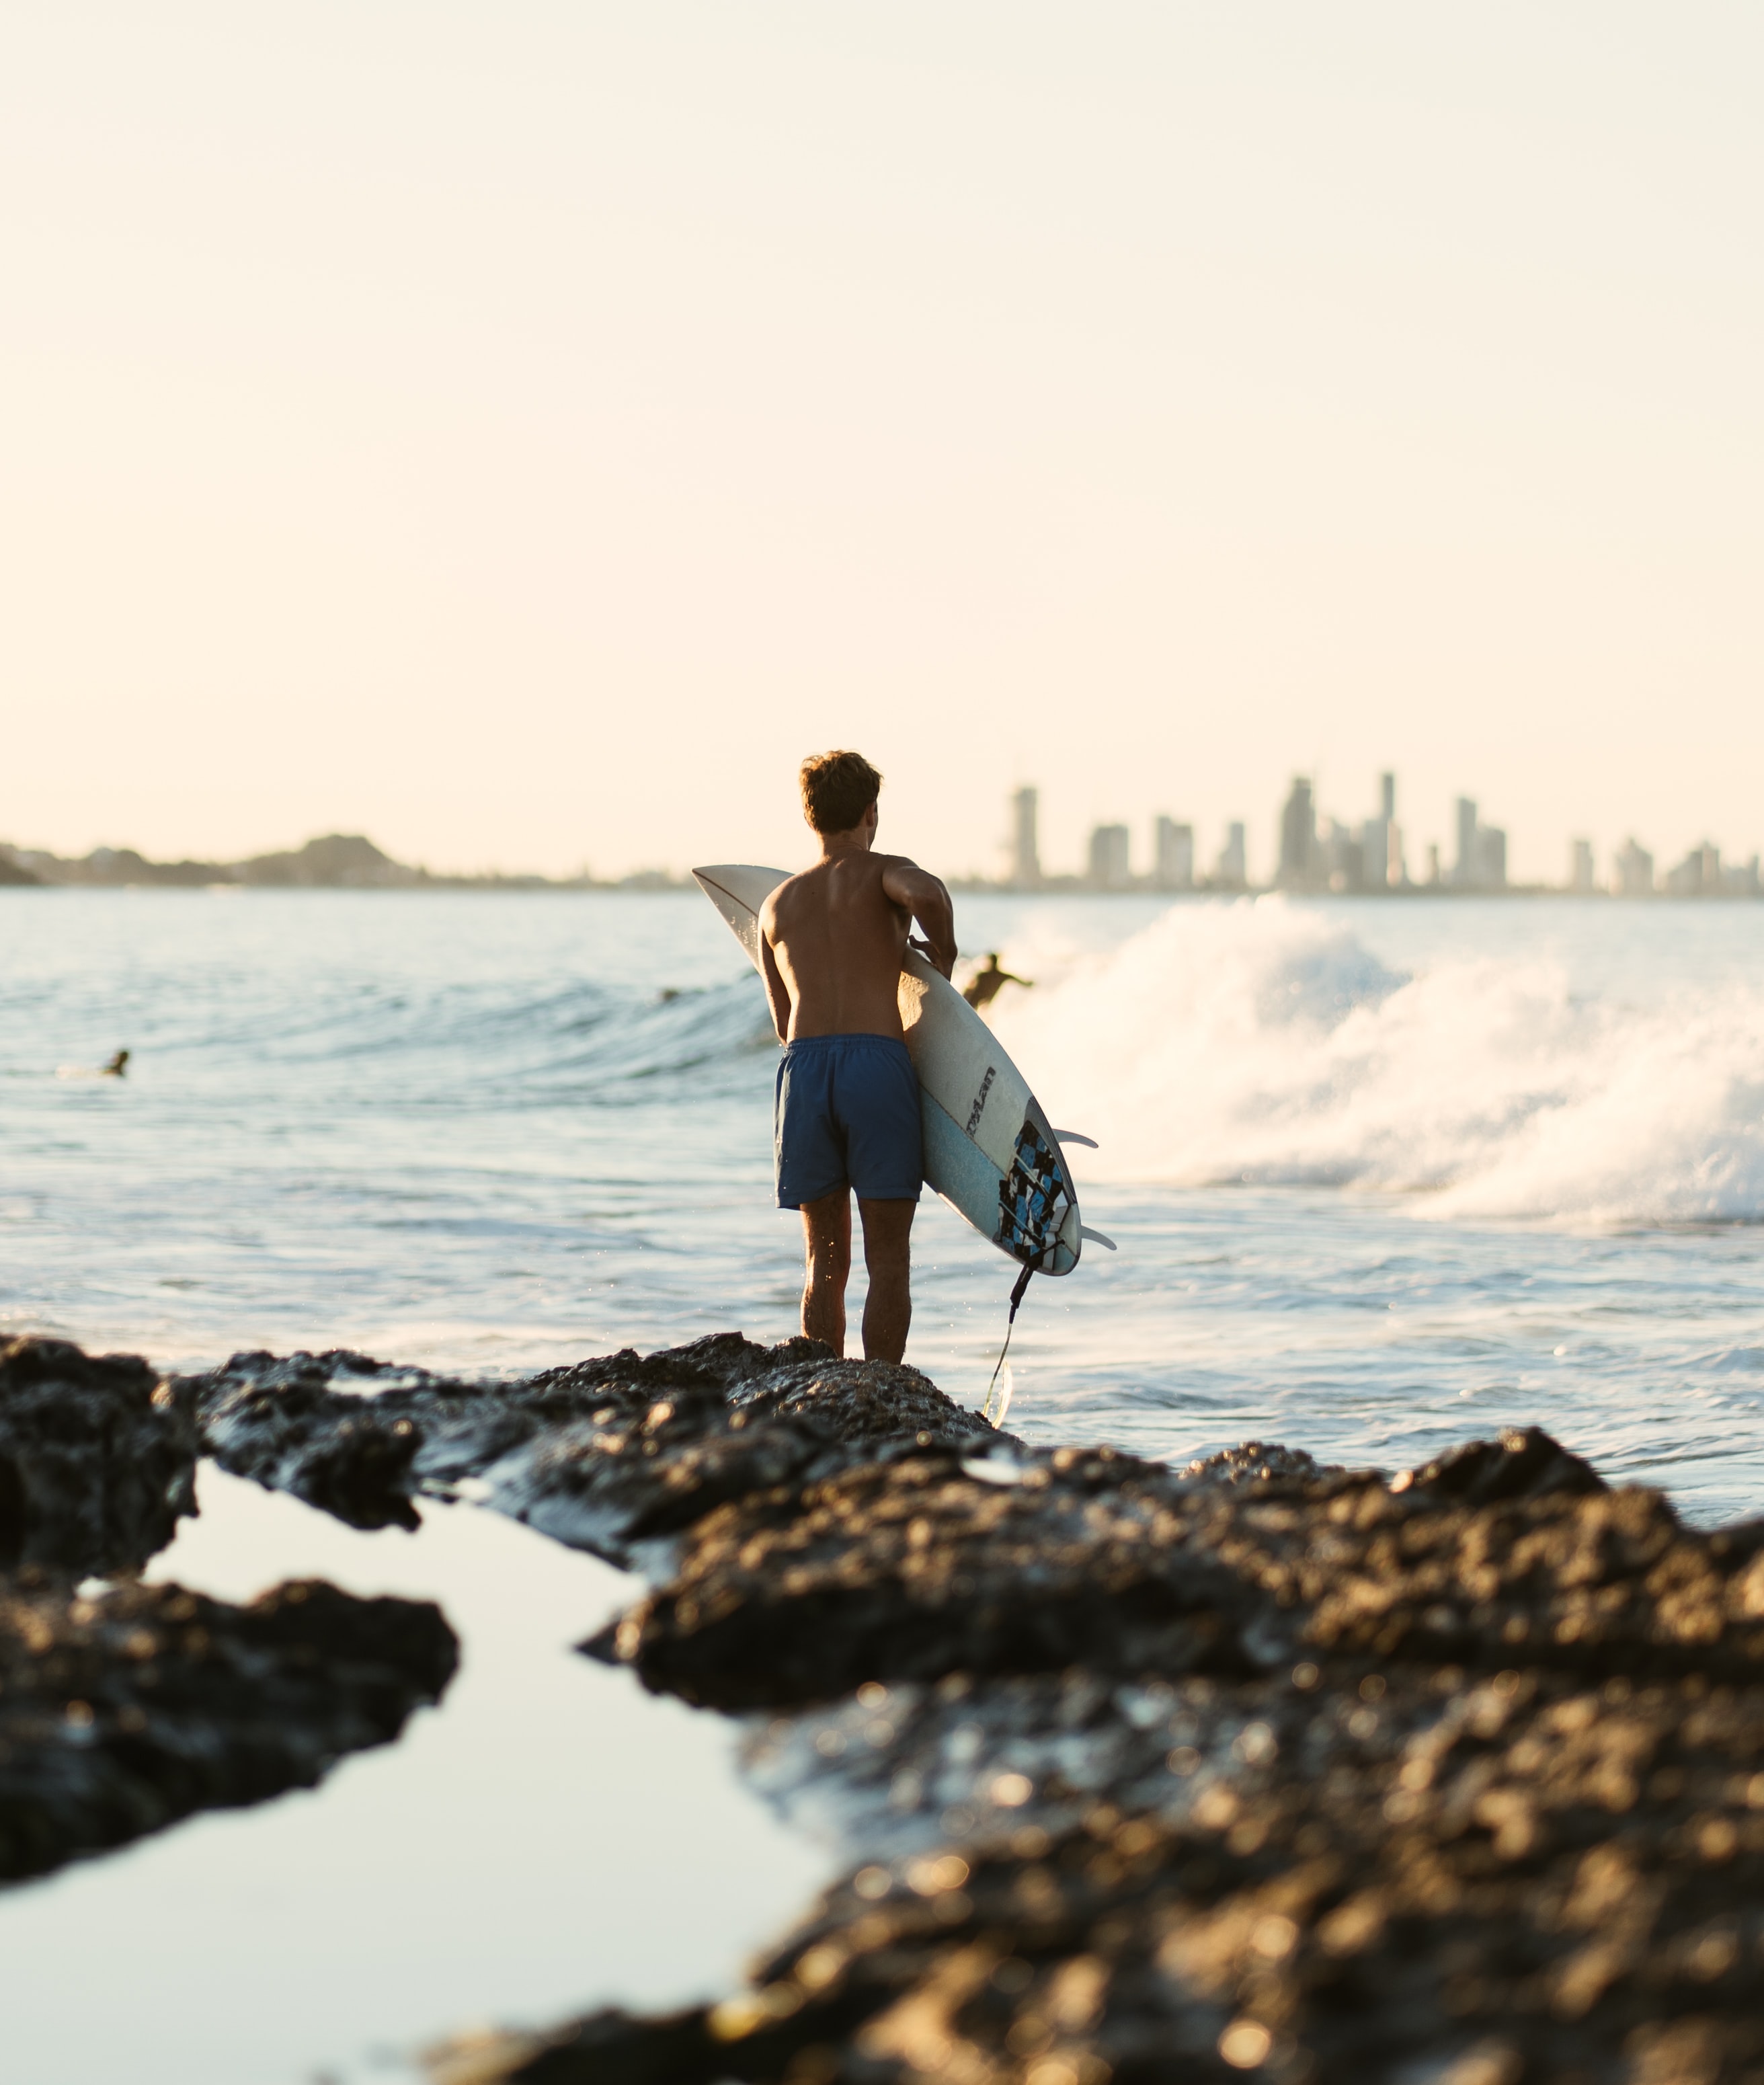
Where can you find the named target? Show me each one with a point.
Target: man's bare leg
(888, 1309)
(827, 1253)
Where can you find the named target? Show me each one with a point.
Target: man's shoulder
(903, 864)
(897, 869)
(784, 898)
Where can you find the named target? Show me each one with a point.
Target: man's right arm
(777, 992)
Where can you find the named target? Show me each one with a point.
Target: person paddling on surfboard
(847, 1112)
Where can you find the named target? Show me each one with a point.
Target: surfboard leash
(1016, 1297)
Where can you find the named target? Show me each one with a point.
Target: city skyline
(1315, 856)
(1308, 852)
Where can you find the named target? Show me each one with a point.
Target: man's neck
(835, 847)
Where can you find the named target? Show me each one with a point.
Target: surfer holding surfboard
(831, 942)
(847, 986)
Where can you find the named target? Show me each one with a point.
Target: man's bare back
(831, 938)
(847, 1110)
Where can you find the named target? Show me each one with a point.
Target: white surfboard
(989, 1151)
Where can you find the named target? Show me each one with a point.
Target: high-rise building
(1299, 861)
(1173, 846)
(1464, 871)
(1396, 868)
(1482, 862)
(1110, 867)
(1698, 875)
(1026, 848)
(1580, 870)
(1342, 858)
(1375, 837)
(1231, 872)
(1633, 871)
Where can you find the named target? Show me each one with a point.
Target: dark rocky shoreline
(124, 1707)
(1137, 1774)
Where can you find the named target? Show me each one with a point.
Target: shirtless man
(846, 1113)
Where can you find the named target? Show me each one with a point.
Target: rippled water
(1381, 1174)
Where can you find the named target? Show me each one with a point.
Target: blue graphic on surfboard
(988, 1150)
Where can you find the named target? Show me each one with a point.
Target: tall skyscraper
(1110, 866)
(1172, 855)
(1026, 848)
(1698, 875)
(1464, 872)
(1231, 872)
(1633, 867)
(1580, 871)
(1298, 837)
(1375, 836)
(1482, 862)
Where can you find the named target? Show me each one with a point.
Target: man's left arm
(925, 899)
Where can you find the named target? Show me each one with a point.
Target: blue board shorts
(846, 1114)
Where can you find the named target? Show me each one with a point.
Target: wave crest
(1262, 1042)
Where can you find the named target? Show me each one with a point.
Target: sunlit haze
(521, 432)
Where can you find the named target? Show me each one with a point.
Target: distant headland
(336, 861)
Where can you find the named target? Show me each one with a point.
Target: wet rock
(1256, 1463)
(932, 1562)
(606, 1455)
(1524, 1462)
(1137, 1774)
(126, 1708)
(97, 1459)
(1389, 1875)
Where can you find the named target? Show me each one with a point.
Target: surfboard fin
(1072, 1137)
(1096, 1237)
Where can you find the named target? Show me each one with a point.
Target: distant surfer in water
(116, 1068)
(846, 1117)
(987, 982)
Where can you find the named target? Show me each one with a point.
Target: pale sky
(521, 431)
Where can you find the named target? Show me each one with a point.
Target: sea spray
(1263, 1044)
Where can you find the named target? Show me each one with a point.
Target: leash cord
(1016, 1297)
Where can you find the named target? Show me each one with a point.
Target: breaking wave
(1263, 1044)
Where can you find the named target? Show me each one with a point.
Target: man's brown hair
(838, 789)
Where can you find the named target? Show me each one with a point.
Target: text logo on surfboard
(980, 1098)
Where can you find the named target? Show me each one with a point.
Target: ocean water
(1382, 1176)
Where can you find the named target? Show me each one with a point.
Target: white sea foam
(1263, 1042)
